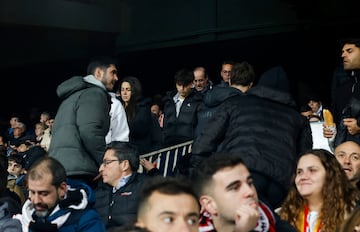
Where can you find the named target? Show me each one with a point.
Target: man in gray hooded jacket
(82, 120)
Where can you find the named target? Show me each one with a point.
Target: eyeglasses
(107, 162)
(226, 71)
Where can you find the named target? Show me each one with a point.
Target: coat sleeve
(91, 222)
(212, 134)
(93, 121)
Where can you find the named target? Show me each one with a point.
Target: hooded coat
(262, 126)
(81, 124)
(75, 213)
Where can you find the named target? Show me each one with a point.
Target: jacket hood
(275, 78)
(217, 95)
(78, 197)
(274, 85)
(77, 83)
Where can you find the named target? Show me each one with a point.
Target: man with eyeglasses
(348, 155)
(225, 73)
(117, 195)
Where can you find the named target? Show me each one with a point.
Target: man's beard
(45, 210)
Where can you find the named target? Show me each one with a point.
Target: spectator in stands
(320, 196)
(348, 155)
(201, 80)
(119, 128)
(346, 100)
(55, 204)
(20, 136)
(46, 139)
(181, 107)
(12, 199)
(156, 109)
(16, 169)
(117, 195)
(225, 73)
(319, 141)
(14, 119)
(39, 132)
(168, 204)
(316, 106)
(44, 117)
(306, 111)
(144, 128)
(82, 120)
(229, 199)
(265, 129)
(242, 79)
(7, 223)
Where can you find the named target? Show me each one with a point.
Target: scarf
(309, 221)
(266, 221)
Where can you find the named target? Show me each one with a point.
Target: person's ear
(62, 190)
(139, 223)
(98, 73)
(209, 204)
(125, 165)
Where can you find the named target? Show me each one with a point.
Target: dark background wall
(42, 42)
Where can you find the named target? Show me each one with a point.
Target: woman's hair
(339, 195)
(136, 93)
(352, 221)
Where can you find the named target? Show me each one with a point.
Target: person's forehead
(230, 174)
(111, 67)
(42, 184)
(125, 84)
(226, 66)
(169, 200)
(347, 46)
(348, 148)
(110, 153)
(13, 162)
(199, 73)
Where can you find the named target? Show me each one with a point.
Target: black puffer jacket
(263, 127)
(119, 208)
(212, 100)
(182, 128)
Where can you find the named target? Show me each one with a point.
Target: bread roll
(328, 118)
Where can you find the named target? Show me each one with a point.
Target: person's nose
(35, 198)
(249, 191)
(347, 159)
(183, 226)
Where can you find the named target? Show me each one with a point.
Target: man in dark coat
(117, 196)
(82, 120)
(346, 101)
(264, 128)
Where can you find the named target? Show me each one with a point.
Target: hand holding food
(328, 118)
